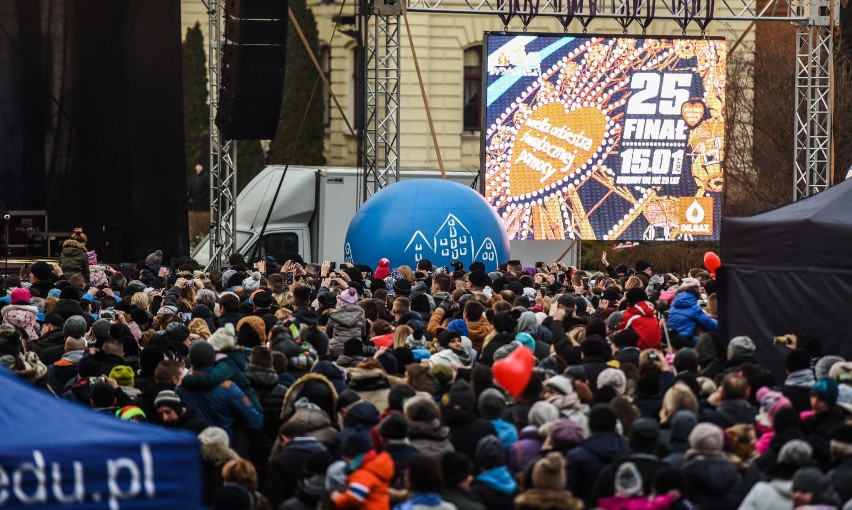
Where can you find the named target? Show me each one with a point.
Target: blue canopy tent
(58, 455)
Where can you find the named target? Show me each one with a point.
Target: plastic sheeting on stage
(790, 271)
(58, 455)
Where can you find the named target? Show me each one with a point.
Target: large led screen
(608, 138)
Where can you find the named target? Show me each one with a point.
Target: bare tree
(759, 108)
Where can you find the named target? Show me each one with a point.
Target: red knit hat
(383, 271)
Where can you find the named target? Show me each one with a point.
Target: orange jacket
(478, 331)
(367, 488)
(436, 321)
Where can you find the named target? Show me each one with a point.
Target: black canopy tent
(790, 271)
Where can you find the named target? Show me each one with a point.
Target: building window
(472, 88)
(325, 63)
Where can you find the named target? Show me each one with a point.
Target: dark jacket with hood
(305, 315)
(42, 286)
(499, 340)
(270, 392)
(729, 413)
(55, 338)
(285, 469)
(495, 488)
(466, 428)
(430, 438)
(685, 314)
(347, 322)
(589, 458)
(711, 481)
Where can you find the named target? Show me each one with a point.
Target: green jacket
(73, 259)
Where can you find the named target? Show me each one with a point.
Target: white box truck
(313, 211)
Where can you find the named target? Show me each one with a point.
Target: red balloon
(711, 261)
(514, 371)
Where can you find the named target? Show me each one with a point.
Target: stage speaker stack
(251, 85)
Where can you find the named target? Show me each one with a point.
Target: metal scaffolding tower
(380, 33)
(223, 152)
(813, 99)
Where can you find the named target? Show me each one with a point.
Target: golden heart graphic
(553, 144)
(692, 112)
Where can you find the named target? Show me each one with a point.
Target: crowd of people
(312, 386)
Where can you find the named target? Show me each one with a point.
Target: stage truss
(815, 21)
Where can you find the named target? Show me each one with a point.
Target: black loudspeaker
(251, 85)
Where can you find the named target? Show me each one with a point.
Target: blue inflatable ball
(433, 219)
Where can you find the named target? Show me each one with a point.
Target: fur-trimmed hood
(28, 308)
(23, 316)
(544, 499)
(70, 243)
(296, 389)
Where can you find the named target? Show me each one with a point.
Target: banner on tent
(608, 138)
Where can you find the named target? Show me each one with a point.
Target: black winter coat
(587, 460)
(841, 478)
(499, 340)
(465, 436)
(271, 395)
(710, 483)
(285, 469)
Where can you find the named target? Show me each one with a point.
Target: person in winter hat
(811, 489)
(452, 351)
(368, 473)
(777, 490)
(628, 492)
(16, 358)
(154, 260)
(604, 445)
(252, 282)
(21, 313)
(770, 403)
(494, 486)
(459, 413)
(490, 405)
(346, 322)
(383, 270)
(548, 487)
(640, 316)
(457, 470)
(686, 317)
(709, 473)
(230, 365)
(826, 414)
(559, 391)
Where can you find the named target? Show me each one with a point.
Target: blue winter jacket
(506, 431)
(685, 314)
(223, 406)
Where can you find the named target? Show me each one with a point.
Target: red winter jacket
(642, 318)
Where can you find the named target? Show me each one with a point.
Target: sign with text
(608, 138)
